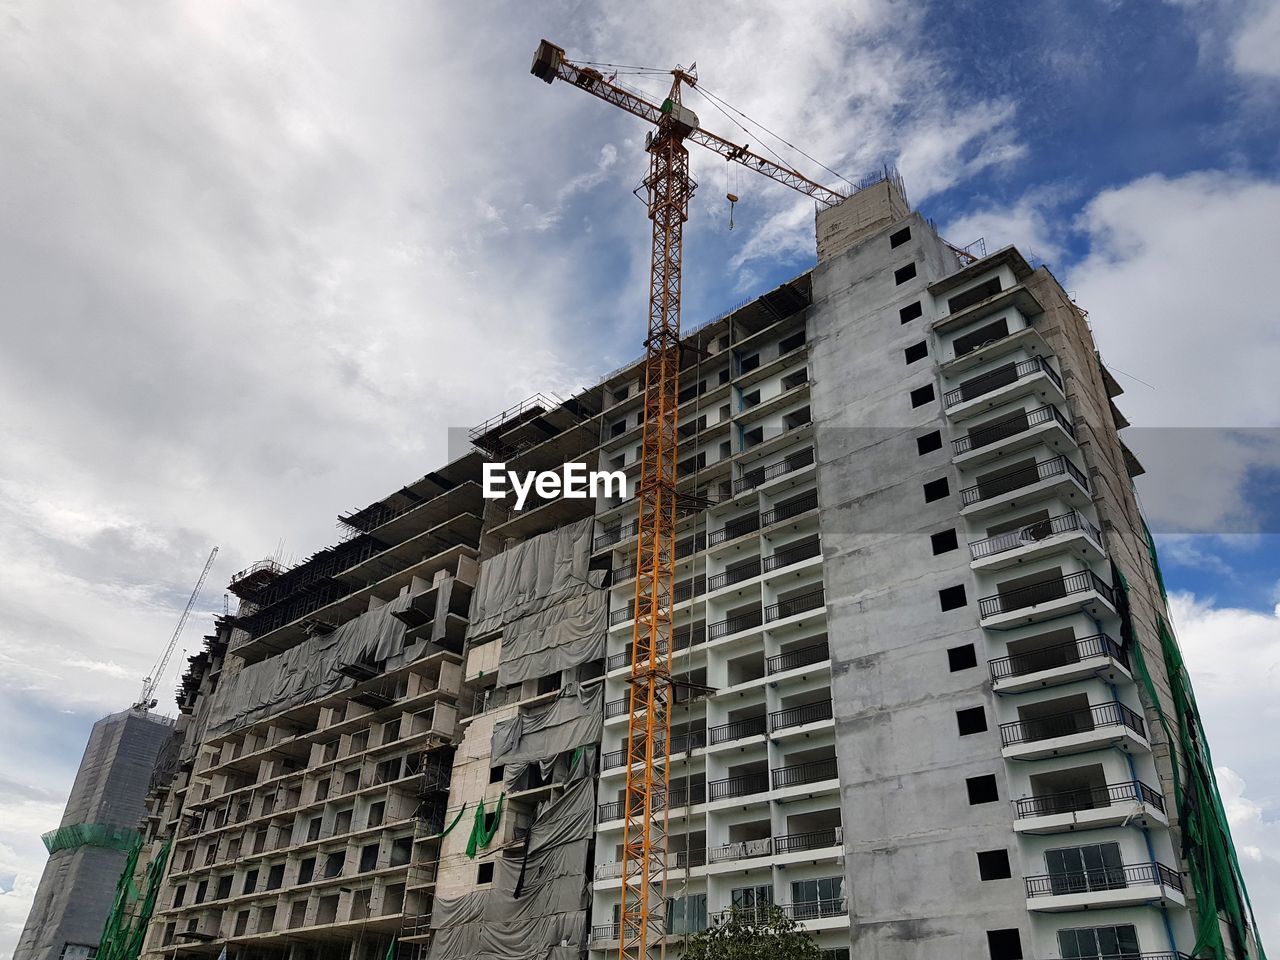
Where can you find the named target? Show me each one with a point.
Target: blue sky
(259, 257)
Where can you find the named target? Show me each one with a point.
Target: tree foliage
(763, 933)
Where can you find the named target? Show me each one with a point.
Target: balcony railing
(816, 909)
(621, 616)
(690, 545)
(793, 508)
(793, 553)
(738, 729)
(800, 715)
(737, 527)
(1103, 878)
(1022, 477)
(1033, 594)
(989, 382)
(1035, 729)
(604, 932)
(735, 624)
(613, 535)
(1087, 798)
(740, 786)
(1058, 655)
(683, 795)
(794, 605)
(814, 772)
(798, 658)
(688, 589)
(744, 572)
(616, 708)
(1010, 427)
(741, 850)
(753, 478)
(1034, 533)
(810, 840)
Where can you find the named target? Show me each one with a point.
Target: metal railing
(1103, 878)
(813, 772)
(1058, 655)
(738, 729)
(753, 478)
(793, 605)
(616, 708)
(1087, 798)
(737, 527)
(740, 786)
(741, 850)
(1055, 588)
(798, 658)
(810, 840)
(988, 382)
(1010, 427)
(690, 545)
(735, 575)
(622, 616)
(1022, 477)
(800, 715)
(793, 508)
(793, 553)
(735, 624)
(688, 589)
(1034, 729)
(603, 932)
(613, 535)
(683, 795)
(1034, 533)
(816, 909)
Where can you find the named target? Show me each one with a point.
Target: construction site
(876, 634)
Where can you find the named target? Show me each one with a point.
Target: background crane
(642, 915)
(149, 683)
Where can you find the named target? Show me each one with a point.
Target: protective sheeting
(559, 637)
(561, 768)
(573, 719)
(531, 576)
(308, 671)
(536, 908)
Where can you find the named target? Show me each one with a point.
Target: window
(787, 344)
(242, 923)
(917, 351)
(962, 658)
(922, 395)
(952, 598)
(1097, 866)
(970, 721)
(687, 914)
(748, 898)
(180, 895)
(900, 237)
(618, 428)
(313, 829)
(549, 684)
(484, 873)
(377, 811)
(1004, 944)
(944, 542)
(929, 443)
(224, 888)
(823, 897)
(982, 789)
(1094, 943)
(723, 376)
(306, 871)
(749, 363)
(795, 379)
(250, 882)
(903, 274)
(936, 490)
(910, 312)
(368, 857)
(981, 337)
(988, 288)
(333, 864)
(401, 851)
(993, 865)
(750, 399)
(275, 876)
(201, 889)
(495, 774)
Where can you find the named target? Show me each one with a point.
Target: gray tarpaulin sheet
(306, 672)
(558, 637)
(536, 903)
(533, 575)
(574, 718)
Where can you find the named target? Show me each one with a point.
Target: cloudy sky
(256, 258)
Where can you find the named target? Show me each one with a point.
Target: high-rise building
(928, 703)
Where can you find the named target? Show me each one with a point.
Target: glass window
(1093, 943)
(822, 897)
(686, 914)
(1097, 866)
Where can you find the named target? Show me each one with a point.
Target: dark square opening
(936, 490)
(899, 237)
(970, 721)
(982, 789)
(484, 873)
(917, 351)
(994, 865)
(944, 542)
(910, 312)
(951, 598)
(929, 443)
(1004, 944)
(903, 274)
(495, 774)
(962, 658)
(922, 395)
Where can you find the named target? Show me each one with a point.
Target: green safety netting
(481, 834)
(445, 832)
(90, 835)
(131, 912)
(1207, 846)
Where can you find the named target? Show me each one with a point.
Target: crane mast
(642, 914)
(152, 680)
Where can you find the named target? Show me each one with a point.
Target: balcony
(1069, 531)
(793, 553)
(1000, 385)
(1074, 731)
(735, 624)
(741, 850)
(1119, 886)
(800, 716)
(792, 606)
(737, 527)
(1019, 430)
(823, 839)
(794, 659)
(800, 774)
(603, 933)
(1005, 490)
(1046, 599)
(1088, 808)
(680, 793)
(740, 786)
(754, 478)
(737, 574)
(614, 535)
(739, 729)
(792, 508)
(1060, 663)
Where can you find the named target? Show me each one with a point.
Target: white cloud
(1256, 47)
(1027, 224)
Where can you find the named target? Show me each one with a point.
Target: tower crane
(669, 187)
(149, 683)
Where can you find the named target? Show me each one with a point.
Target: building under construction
(927, 700)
